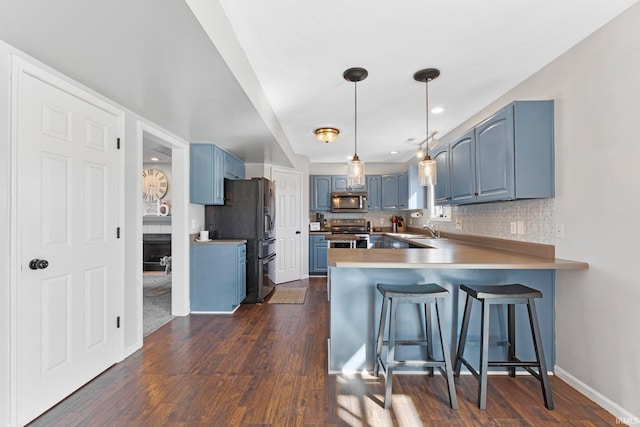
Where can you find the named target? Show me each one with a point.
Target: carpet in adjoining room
(156, 291)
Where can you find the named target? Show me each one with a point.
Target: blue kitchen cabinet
(317, 254)
(403, 190)
(389, 192)
(515, 153)
(374, 190)
(206, 174)
(320, 193)
(442, 192)
(217, 276)
(462, 163)
(234, 168)
(417, 194)
(341, 183)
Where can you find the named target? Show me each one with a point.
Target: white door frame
(22, 66)
(180, 305)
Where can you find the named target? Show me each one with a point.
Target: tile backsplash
(494, 220)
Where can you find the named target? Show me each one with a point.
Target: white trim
(21, 66)
(607, 404)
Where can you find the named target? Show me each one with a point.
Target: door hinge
(118, 233)
(118, 143)
(118, 322)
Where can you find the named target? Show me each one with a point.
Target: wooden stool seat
(426, 294)
(503, 294)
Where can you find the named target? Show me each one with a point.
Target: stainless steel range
(348, 233)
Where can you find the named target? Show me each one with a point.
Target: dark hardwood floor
(266, 365)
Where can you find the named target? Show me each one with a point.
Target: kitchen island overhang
(355, 303)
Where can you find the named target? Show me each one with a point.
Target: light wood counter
(446, 254)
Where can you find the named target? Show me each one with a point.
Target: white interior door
(67, 216)
(288, 231)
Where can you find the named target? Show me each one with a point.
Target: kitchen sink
(408, 236)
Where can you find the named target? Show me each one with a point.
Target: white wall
(596, 88)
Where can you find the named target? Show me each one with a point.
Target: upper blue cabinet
(320, 193)
(209, 166)
(442, 190)
(374, 190)
(206, 174)
(508, 156)
(341, 183)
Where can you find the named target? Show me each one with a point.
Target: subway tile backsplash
(494, 220)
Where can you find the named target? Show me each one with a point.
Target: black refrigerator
(249, 213)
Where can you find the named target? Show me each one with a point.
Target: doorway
(157, 262)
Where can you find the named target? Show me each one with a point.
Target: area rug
(156, 299)
(288, 296)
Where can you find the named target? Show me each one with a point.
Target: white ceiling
(257, 77)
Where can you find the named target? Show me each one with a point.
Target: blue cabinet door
(390, 191)
(320, 193)
(317, 254)
(234, 168)
(417, 195)
(442, 192)
(374, 190)
(462, 162)
(206, 174)
(339, 183)
(495, 157)
(403, 190)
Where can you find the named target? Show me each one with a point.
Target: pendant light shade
(427, 171)
(355, 167)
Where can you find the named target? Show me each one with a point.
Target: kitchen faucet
(432, 229)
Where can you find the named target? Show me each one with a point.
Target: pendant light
(427, 173)
(355, 167)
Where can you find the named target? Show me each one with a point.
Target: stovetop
(349, 226)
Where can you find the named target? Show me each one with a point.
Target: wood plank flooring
(266, 365)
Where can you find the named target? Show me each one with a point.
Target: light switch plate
(514, 230)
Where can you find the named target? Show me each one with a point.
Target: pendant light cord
(426, 91)
(355, 145)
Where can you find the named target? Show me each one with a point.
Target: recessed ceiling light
(437, 110)
(154, 159)
(394, 152)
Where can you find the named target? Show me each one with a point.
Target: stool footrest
(514, 364)
(407, 342)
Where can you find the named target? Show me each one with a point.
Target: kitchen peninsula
(355, 303)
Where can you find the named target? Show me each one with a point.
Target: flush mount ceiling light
(355, 168)
(427, 173)
(326, 135)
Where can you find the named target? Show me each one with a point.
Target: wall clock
(154, 185)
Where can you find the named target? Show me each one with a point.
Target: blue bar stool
(510, 295)
(426, 294)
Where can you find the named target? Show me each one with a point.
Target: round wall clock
(154, 185)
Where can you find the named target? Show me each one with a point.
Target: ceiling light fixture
(355, 168)
(326, 135)
(154, 159)
(427, 173)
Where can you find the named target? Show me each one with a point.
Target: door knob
(298, 232)
(36, 264)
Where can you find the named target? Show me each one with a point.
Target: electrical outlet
(520, 227)
(514, 230)
(559, 231)
(194, 225)
(410, 221)
(458, 224)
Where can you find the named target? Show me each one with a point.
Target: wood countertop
(446, 253)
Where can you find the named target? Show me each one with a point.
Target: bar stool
(426, 294)
(510, 295)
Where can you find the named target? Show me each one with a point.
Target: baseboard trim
(607, 404)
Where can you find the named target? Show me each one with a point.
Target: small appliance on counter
(314, 226)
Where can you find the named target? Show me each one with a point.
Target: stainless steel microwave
(349, 202)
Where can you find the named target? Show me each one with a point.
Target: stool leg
(484, 356)
(428, 334)
(463, 336)
(453, 400)
(537, 345)
(390, 355)
(511, 328)
(380, 340)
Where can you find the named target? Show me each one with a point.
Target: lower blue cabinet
(317, 254)
(215, 285)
